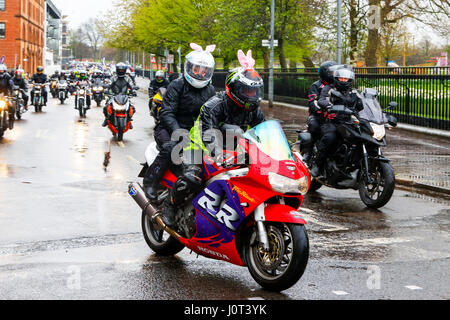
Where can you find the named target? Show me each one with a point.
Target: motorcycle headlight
(378, 131)
(100, 88)
(119, 107)
(16, 92)
(81, 91)
(285, 185)
(2, 104)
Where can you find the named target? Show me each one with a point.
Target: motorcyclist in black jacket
(5, 81)
(41, 78)
(120, 85)
(159, 82)
(20, 82)
(237, 107)
(343, 83)
(315, 119)
(6, 86)
(181, 107)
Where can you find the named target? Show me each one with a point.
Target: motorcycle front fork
(262, 232)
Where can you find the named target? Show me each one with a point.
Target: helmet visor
(249, 94)
(199, 72)
(344, 74)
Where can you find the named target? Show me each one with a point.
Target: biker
(20, 82)
(343, 83)
(129, 75)
(5, 80)
(120, 85)
(41, 78)
(56, 75)
(238, 106)
(159, 82)
(315, 119)
(97, 75)
(181, 107)
(83, 82)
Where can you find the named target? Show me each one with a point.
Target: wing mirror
(392, 120)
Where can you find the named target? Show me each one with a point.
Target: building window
(2, 5)
(2, 30)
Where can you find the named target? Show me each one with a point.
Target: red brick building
(22, 33)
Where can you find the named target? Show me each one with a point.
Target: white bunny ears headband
(246, 61)
(198, 48)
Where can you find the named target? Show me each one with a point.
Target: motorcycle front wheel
(377, 193)
(119, 134)
(158, 240)
(284, 264)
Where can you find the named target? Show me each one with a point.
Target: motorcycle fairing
(218, 216)
(168, 179)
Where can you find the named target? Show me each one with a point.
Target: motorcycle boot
(168, 212)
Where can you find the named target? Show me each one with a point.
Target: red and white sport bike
(246, 215)
(120, 111)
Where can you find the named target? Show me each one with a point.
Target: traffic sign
(266, 43)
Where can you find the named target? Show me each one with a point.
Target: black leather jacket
(21, 83)
(120, 85)
(350, 100)
(182, 104)
(5, 83)
(222, 110)
(39, 78)
(313, 96)
(155, 86)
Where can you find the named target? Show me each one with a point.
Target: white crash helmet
(199, 66)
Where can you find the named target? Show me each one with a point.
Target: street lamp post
(272, 34)
(339, 31)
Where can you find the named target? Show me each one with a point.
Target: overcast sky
(79, 11)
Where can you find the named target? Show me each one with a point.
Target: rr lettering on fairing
(211, 202)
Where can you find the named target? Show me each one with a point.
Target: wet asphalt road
(69, 230)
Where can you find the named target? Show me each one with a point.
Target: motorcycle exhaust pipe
(137, 193)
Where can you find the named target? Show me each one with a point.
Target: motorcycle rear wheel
(285, 263)
(378, 194)
(158, 240)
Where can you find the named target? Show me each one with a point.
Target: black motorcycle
(38, 98)
(63, 90)
(6, 119)
(17, 102)
(98, 92)
(357, 161)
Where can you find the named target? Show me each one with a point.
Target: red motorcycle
(120, 111)
(247, 214)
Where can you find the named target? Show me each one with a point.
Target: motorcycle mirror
(392, 120)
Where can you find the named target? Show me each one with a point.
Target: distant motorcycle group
(63, 85)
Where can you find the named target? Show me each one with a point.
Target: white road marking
(256, 298)
(413, 287)
(340, 293)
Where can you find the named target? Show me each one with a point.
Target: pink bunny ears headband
(198, 48)
(246, 61)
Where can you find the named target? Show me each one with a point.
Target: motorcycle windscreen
(269, 137)
(372, 111)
